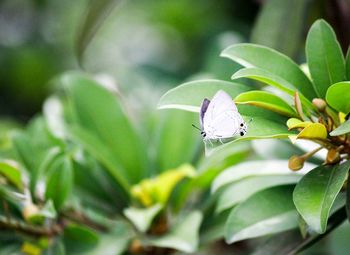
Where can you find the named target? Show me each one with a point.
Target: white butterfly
(220, 119)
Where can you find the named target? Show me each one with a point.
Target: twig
(30, 229)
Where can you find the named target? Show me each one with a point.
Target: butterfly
(220, 119)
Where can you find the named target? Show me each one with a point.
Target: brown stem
(30, 229)
(81, 218)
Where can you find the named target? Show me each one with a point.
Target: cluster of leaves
(83, 179)
(309, 102)
(80, 179)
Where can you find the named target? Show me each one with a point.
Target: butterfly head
(242, 128)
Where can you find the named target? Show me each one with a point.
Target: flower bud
(296, 163)
(136, 247)
(333, 156)
(320, 104)
(29, 210)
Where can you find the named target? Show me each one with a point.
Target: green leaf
(267, 212)
(316, 131)
(115, 242)
(142, 217)
(271, 79)
(99, 114)
(347, 64)
(347, 203)
(189, 96)
(59, 181)
(297, 123)
(25, 150)
(252, 55)
(213, 228)
(315, 193)
(338, 96)
(104, 155)
(267, 101)
(173, 152)
(324, 56)
(258, 128)
(277, 17)
(78, 238)
(97, 13)
(10, 170)
(241, 190)
(255, 168)
(183, 236)
(210, 167)
(342, 129)
(57, 248)
(47, 212)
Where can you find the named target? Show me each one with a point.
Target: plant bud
(296, 163)
(29, 210)
(320, 104)
(136, 247)
(333, 156)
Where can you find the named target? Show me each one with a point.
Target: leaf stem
(25, 228)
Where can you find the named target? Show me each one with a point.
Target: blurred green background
(143, 48)
(154, 43)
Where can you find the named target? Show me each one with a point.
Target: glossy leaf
(347, 64)
(10, 170)
(183, 236)
(255, 168)
(25, 151)
(267, 212)
(243, 189)
(314, 195)
(276, 17)
(102, 122)
(342, 129)
(338, 96)
(252, 55)
(347, 201)
(189, 96)
(98, 11)
(78, 238)
(96, 148)
(296, 123)
(311, 131)
(142, 217)
(267, 101)
(59, 181)
(271, 79)
(324, 56)
(173, 152)
(258, 128)
(158, 189)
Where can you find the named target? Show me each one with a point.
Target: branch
(25, 228)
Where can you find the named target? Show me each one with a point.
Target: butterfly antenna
(193, 125)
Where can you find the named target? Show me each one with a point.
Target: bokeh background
(142, 44)
(143, 48)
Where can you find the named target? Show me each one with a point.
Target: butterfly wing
(226, 125)
(221, 119)
(203, 110)
(221, 102)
